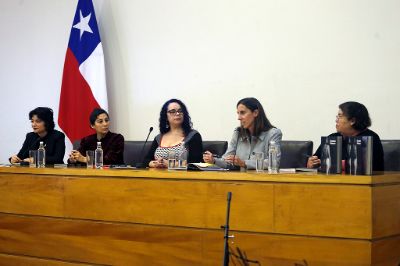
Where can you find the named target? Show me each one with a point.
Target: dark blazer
(55, 146)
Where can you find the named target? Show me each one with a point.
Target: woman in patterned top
(176, 134)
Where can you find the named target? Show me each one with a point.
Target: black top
(112, 145)
(55, 146)
(193, 143)
(377, 149)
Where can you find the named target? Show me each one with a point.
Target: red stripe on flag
(76, 101)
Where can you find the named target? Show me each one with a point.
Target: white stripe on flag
(92, 70)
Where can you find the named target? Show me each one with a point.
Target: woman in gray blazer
(254, 135)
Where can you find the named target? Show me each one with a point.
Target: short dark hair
(95, 113)
(46, 115)
(358, 112)
(187, 122)
(261, 122)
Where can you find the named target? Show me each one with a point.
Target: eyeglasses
(175, 112)
(340, 116)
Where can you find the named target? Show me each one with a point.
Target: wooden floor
(157, 217)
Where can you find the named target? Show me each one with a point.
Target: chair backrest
(132, 151)
(391, 152)
(215, 146)
(295, 153)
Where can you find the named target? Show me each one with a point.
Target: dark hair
(358, 112)
(46, 115)
(164, 125)
(261, 122)
(95, 113)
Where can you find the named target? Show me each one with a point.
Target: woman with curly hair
(176, 134)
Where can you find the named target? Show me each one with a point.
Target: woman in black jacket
(353, 120)
(42, 122)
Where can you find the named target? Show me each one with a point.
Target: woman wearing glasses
(353, 120)
(176, 135)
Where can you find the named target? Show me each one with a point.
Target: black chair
(215, 146)
(295, 153)
(391, 152)
(132, 151)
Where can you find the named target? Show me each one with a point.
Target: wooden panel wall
(306, 209)
(54, 219)
(112, 243)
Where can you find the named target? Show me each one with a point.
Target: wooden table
(158, 217)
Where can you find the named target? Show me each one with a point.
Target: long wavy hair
(187, 124)
(261, 122)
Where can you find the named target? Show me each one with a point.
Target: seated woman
(353, 120)
(254, 135)
(42, 122)
(176, 134)
(111, 143)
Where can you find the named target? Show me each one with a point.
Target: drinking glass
(171, 159)
(90, 159)
(259, 156)
(33, 158)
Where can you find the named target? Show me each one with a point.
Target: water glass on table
(171, 159)
(259, 157)
(33, 158)
(90, 159)
(182, 159)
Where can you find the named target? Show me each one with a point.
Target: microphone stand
(226, 235)
(141, 164)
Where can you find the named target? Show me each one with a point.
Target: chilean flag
(84, 83)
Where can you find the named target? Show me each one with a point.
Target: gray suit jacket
(245, 147)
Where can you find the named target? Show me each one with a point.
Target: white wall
(300, 58)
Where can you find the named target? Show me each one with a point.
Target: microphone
(141, 164)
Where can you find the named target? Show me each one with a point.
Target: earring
(167, 126)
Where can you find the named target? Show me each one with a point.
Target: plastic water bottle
(41, 156)
(98, 156)
(272, 158)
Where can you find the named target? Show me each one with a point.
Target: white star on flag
(83, 24)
